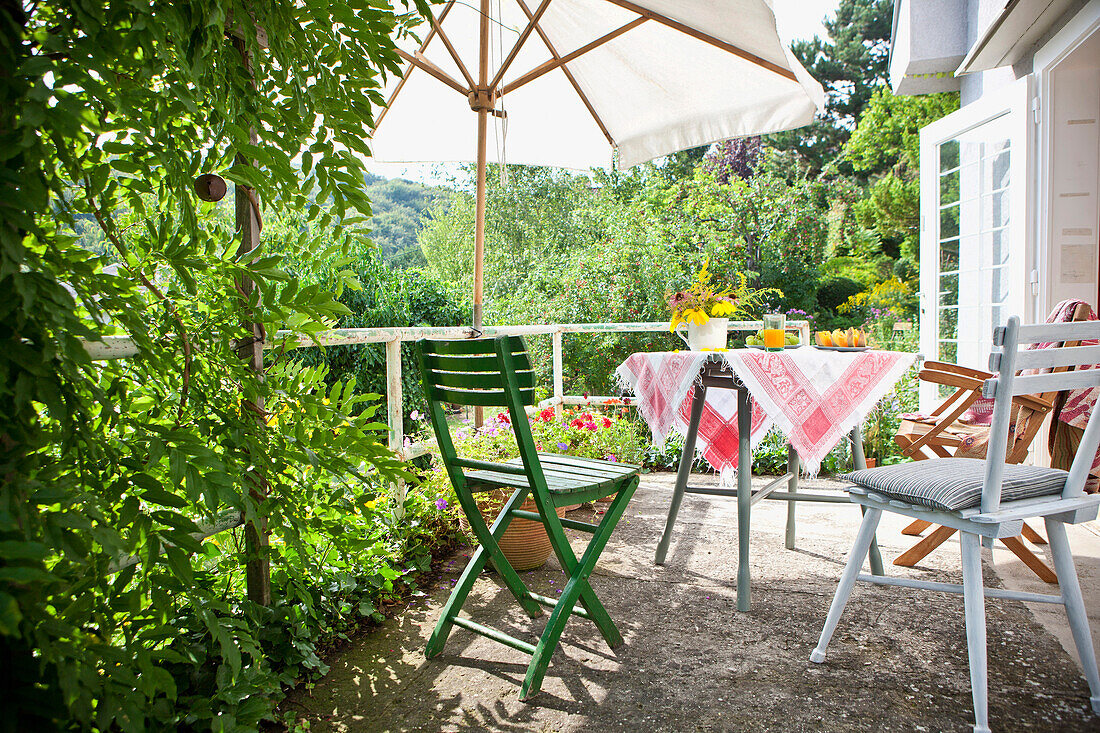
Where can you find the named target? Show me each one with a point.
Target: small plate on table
(787, 346)
(841, 348)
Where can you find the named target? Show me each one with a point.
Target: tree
(772, 226)
(738, 157)
(885, 148)
(112, 615)
(529, 228)
(851, 64)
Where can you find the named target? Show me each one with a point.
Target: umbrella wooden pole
(479, 226)
(482, 135)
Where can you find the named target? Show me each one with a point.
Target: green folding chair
(497, 373)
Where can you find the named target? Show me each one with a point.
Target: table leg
(744, 495)
(687, 457)
(792, 487)
(859, 462)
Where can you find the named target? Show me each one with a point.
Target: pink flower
(590, 426)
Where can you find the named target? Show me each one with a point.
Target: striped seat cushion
(951, 484)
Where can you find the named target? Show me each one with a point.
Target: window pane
(949, 155)
(949, 222)
(949, 290)
(998, 285)
(949, 322)
(995, 171)
(995, 247)
(949, 256)
(949, 188)
(995, 210)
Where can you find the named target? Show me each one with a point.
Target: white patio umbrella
(580, 83)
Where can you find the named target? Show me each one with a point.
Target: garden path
(691, 662)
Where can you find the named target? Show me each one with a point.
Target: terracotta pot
(525, 542)
(871, 462)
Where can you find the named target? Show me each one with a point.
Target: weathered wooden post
(395, 416)
(251, 347)
(559, 378)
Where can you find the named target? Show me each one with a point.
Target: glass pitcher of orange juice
(774, 326)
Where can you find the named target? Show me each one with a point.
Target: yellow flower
(722, 308)
(676, 321)
(698, 317)
(372, 504)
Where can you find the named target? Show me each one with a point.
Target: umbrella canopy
(572, 83)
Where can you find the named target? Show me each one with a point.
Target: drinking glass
(774, 326)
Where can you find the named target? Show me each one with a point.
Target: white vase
(711, 335)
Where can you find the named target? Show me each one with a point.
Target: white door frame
(1076, 31)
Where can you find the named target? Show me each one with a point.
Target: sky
(795, 20)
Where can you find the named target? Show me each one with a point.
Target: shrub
(385, 298)
(833, 291)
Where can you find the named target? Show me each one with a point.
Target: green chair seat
(566, 477)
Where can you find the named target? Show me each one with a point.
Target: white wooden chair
(988, 499)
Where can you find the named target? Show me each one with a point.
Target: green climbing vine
(115, 611)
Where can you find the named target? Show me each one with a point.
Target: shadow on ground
(691, 662)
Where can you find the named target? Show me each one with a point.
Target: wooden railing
(119, 347)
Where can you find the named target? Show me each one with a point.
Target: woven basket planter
(525, 542)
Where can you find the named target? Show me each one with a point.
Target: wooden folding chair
(497, 372)
(987, 499)
(942, 434)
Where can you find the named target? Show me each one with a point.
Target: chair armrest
(951, 379)
(943, 366)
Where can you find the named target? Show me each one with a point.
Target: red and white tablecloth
(815, 397)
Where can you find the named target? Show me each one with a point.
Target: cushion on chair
(950, 484)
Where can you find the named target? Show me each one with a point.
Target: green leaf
(10, 615)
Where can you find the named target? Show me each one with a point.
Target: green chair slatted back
(498, 373)
(470, 373)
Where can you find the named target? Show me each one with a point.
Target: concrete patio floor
(691, 662)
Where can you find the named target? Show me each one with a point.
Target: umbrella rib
(531, 22)
(554, 63)
(410, 67)
(418, 60)
(705, 37)
(568, 75)
(438, 27)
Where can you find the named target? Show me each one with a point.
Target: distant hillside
(398, 207)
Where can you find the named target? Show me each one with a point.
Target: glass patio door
(974, 232)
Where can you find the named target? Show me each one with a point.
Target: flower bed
(608, 432)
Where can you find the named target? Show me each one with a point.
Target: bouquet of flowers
(705, 300)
